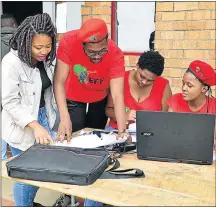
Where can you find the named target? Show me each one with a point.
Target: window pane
(136, 23)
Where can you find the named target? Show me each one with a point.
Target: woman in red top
(196, 90)
(144, 89)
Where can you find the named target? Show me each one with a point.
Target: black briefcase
(64, 165)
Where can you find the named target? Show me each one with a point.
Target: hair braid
(22, 38)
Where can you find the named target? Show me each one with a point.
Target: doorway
(22, 9)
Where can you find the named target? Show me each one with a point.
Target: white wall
(49, 8)
(136, 22)
(74, 17)
(68, 16)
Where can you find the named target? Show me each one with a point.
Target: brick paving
(5, 202)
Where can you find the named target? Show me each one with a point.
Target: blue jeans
(110, 128)
(4, 150)
(24, 194)
(88, 202)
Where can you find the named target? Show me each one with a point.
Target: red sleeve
(63, 51)
(173, 102)
(117, 68)
(165, 82)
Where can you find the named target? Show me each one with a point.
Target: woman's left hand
(124, 134)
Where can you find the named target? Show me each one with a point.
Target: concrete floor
(44, 196)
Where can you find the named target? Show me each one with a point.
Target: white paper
(132, 128)
(132, 131)
(111, 139)
(92, 141)
(134, 138)
(61, 19)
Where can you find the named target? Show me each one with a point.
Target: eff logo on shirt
(96, 80)
(83, 75)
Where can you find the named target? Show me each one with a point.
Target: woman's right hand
(40, 133)
(131, 115)
(65, 129)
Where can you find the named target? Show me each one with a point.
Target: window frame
(114, 27)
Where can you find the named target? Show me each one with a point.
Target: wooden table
(165, 184)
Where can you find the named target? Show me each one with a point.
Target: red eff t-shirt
(178, 104)
(152, 103)
(88, 82)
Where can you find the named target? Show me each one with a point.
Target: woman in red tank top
(196, 90)
(144, 89)
(196, 83)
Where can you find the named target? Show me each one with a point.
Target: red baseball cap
(93, 30)
(204, 72)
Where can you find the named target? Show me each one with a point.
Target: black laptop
(175, 137)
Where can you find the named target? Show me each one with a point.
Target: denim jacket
(21, 93)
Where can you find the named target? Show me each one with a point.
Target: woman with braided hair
(27, 97)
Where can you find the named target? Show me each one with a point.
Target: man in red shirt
(88, 66)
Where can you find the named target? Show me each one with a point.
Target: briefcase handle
(116, 164)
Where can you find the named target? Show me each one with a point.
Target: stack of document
(92, 141)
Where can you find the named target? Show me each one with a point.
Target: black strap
(115, 166)
(136, 173)
(118, 150)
